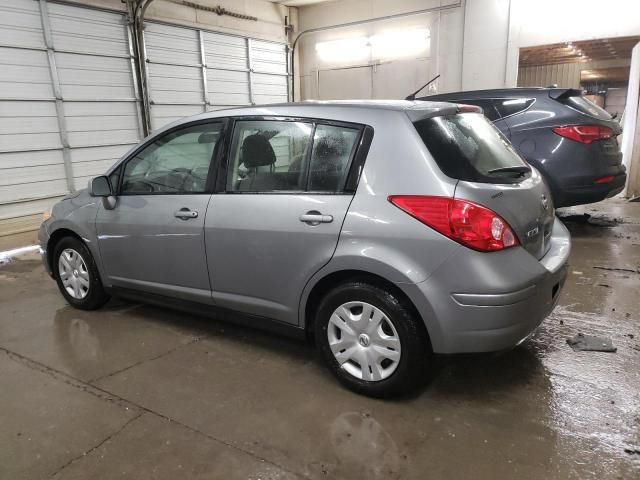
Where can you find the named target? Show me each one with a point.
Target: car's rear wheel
(372, 340)
(77, 276)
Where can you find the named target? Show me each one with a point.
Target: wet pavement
(134, 391)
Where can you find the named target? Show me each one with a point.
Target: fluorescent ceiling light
(400, 43)
(394, 44)
(343, 50)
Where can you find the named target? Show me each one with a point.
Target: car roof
(491, 93)
(355, 111)
(318, 105)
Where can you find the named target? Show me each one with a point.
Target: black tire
(95, 296)
(413, 366)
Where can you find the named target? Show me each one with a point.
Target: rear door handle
(186, 214)
(315, 218)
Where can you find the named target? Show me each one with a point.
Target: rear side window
(332, 149)
(587, 107)
(467, 147)
(511, 106)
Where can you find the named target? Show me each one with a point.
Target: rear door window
(269, 156)
(467, 147)
(288, 156)
(511, 106)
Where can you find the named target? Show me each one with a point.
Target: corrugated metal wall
(563, 74)
(192, 71)
(96, 79)
(69, 106)
(67, 103)
(31, 162)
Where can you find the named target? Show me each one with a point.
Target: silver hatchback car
(388, 231)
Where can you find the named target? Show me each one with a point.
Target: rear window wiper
(519, 169)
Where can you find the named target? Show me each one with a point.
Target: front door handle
(315, 218)
(186, 214)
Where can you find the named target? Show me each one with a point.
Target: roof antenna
(413, 95)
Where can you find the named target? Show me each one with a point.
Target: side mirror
(100, 186)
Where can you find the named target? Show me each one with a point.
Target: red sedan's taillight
(584, 133)
(468, 223)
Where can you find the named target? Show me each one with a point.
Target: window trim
(493, 100)
(217, 155)
(347, 189)
(357, 164)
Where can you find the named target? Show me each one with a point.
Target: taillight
(468, 223)
(584, 133)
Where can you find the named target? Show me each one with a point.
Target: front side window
(268, 156)
(175, 163)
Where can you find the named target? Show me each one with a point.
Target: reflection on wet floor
(221, 400)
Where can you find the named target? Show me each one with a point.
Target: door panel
(280, 220)
(153, 239)
(144, 245)
(260, 254)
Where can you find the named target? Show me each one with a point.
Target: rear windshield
(467, 147)
(587, 107)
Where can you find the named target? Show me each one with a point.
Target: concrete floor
(134, 391)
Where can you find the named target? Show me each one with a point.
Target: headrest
(257, 152)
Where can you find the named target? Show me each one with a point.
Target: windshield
(468, 147)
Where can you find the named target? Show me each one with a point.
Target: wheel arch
(54, 238)
(323, 285)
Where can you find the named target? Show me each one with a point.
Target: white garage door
(68, 107)
(192, 71)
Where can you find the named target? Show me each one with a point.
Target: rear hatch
(490, 172)
(588, 113)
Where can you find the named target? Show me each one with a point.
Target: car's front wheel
(77, 275)
(372, 340)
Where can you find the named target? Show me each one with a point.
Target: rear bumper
(479, 302)
(590, 193)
